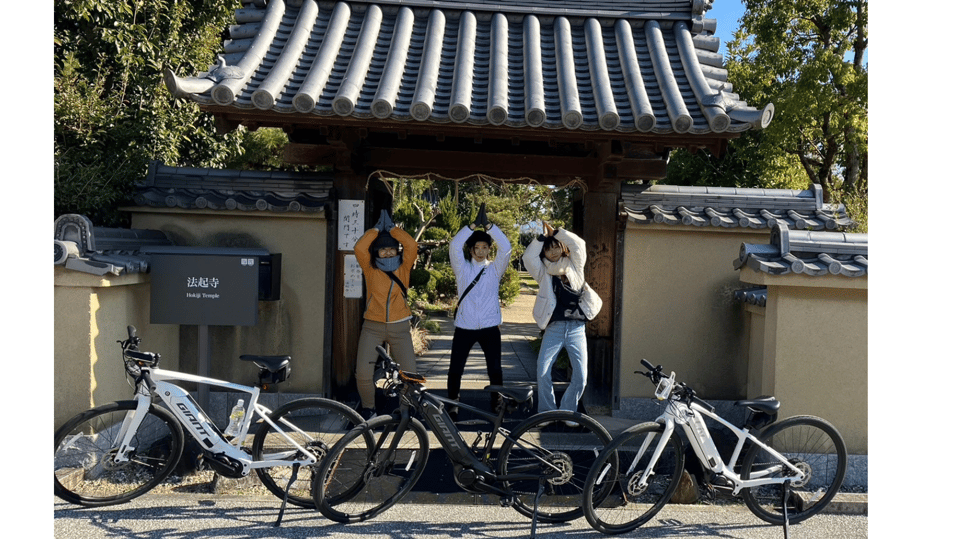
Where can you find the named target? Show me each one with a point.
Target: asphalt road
(204, 516)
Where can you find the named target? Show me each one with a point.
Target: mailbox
(210, 286)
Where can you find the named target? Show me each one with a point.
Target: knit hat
(383, 240)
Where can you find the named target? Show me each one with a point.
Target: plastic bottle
(236, 419)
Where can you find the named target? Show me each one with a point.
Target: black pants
(463, 341)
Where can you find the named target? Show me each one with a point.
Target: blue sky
(727, 13)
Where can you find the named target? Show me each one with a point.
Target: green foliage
(439, 209)
(809, 59)
(112, 112)
(510, 285)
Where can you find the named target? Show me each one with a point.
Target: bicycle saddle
(271, 363)
(767, 405)
(519, 394)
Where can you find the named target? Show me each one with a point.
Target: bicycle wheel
(83, 449)
(814, 446)
(359, 480)
(619, 471)
(316, 424)
(545, 450)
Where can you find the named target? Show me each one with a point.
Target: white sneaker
(571, 424)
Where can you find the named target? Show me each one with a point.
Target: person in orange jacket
(386, 254)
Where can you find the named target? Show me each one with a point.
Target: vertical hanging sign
(352, 277)
(350, 224)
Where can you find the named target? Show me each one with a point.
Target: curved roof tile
(245, 190)
(80, 246)
(810, 253)
(640, 66)
(754, 296)
(732, 207)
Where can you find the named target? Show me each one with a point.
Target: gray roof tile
(245, 190)
(732, 207)
(80, 246)
(640, 66)
(810, 253)
(754, 296)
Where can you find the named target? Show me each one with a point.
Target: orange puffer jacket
(385, 301)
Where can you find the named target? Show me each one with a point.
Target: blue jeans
(572, 335)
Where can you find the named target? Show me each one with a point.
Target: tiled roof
(646, 66)
(80, 246)
(809, 253)
(246, 190)
(754, 296)
(732, 207)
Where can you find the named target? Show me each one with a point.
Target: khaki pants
(397, 335)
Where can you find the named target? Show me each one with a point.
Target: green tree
(112, 113)
(810, 60)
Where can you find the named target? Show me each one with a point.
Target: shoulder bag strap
(403, 289)
(467, 291)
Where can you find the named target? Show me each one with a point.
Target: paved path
(197, 516)
(519, 360)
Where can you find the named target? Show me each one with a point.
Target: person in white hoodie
(564, 303)
(478, 316)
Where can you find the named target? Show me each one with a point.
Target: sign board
(204, 289)
(352, 277)
(350, 226)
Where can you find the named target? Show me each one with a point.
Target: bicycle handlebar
(680, 390)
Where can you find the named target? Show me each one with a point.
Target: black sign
(204, 289)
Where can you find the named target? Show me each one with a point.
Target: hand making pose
(478, 315)
(386, 254)
(564, 304)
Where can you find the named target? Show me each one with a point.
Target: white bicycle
(113, 453)
(790, 470)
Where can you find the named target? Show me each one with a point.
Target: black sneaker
(368, 413)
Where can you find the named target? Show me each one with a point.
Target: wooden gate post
(348, 184)
(599, 232)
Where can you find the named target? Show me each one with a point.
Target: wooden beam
(457, 164)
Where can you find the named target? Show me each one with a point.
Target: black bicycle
(539, 469)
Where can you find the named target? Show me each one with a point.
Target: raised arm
(409, 247)
(531, 259)
(504, 249)
(456, 250)
(577, 247)
(362, 249)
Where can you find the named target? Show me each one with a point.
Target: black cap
(479, 235)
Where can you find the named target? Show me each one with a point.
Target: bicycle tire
(357, 480)
(617, 471)
(83, 473)
(573, 449)
(817, 447)
(315, 423)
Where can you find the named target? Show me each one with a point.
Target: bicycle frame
(196, 422)
(452, 441)
(690, 418)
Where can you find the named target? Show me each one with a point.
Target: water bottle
(236, 419)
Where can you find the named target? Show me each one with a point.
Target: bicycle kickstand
(536, 509)
(786, 516)
(286, 492)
